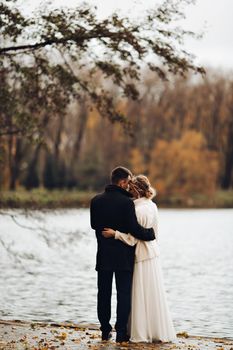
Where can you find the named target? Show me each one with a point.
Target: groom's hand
(108, 232)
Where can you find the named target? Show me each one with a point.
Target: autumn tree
(50, 58)
(184, 166)
(63, 41)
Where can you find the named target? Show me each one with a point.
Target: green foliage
(48, 59)
(12, 22)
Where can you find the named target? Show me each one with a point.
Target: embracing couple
(126, 224)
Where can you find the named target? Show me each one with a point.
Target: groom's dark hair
(119, 173)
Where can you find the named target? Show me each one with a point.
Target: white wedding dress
(150, 319)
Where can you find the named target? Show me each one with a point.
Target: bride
(150, 319)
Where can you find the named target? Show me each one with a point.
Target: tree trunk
(32, 179)
(227, 177)
(81, 130)
(15, 163)
(58, 139)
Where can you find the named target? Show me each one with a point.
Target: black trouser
(123, 287)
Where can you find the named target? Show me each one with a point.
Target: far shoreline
(39, 199)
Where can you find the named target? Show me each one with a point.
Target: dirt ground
(51, 336)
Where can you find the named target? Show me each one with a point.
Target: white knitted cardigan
(147, 216)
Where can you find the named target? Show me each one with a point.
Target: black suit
(115, 209)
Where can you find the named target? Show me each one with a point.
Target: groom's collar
(112, 188)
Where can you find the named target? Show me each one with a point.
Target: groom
(114, 208)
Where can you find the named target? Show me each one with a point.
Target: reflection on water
(47, 268)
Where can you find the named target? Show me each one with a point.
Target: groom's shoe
(106, 335)
(121, 338)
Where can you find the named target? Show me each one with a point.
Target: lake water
(47, 271)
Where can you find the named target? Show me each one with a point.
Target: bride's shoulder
(143, 202)
(140, 201)
(153, 204)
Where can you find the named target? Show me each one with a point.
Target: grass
(42, 198)
(220, 199)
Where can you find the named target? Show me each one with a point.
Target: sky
(215, 49)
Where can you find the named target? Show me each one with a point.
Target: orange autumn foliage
(137, 161)
(184, 166)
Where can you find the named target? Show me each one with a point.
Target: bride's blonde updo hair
(141, 186)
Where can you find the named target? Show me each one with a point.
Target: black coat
(114, 208)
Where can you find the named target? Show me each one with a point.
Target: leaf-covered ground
(43, 336)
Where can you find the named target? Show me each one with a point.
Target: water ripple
(47, 268)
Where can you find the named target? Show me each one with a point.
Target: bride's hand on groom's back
(108, 232)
